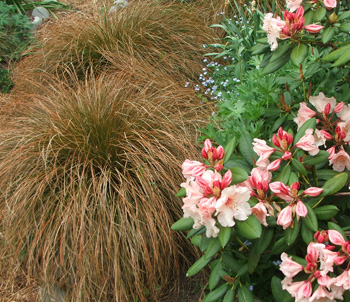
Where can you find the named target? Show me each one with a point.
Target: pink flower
(344, 114)
(207, 208)
(285, 217)
(260, 212)
(313, 191)
(340, 160)
(320, 102)
(233, 204)
(299, 290)
(292, 5)
(289, 267)
(301, 209)
(344, 130)
(320, 293)
(331, 152)
(335, 237)
(192, 168)
(212, 154)
(259, 176)
(194, 194)
(330, 4)
(263, 151)
(326, 258)
(343, 280)
(339, 107)
(226, 180)
(281, 191)
(304, 114)
(274, 165)
(307, 143)
(294, 22)
(273, 28)
(313, 28)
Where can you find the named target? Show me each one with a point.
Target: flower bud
(339, 107)
(221, 152)
(313, 28)
(275, 141)
(333, 18)
(327, 109)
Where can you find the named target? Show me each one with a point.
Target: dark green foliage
(6, 83)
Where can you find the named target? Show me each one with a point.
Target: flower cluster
(325, 276)
(333, 127)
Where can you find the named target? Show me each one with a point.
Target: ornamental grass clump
(167, 36)
(87, 181)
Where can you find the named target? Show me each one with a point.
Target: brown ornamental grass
(88, 178)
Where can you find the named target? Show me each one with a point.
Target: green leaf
(346, 296)
(334, 226)
(319, 158)
(280, 51)
(309, 124)
(345, 28)
(205, 243)
(213, 247)
(216, 275)
(238, 175)
(327, 35)
(181, 193)
(197, 266)
(291, 234)
(278, 293)
(198, 231)
(216, 294)
(277, 64)
(242, 271)
(280, 246)
(259, 49)
(310, 219)
(299, 167)
(336, 54)
(196, 240)
(319, 14)
(244, 294)
(306, 234)
(343, 15)
(231, 146)
(230, 262)
(298, 54)
(224, 236)
(285, 174)
(183, 224)
(345, 58)
(293, 178)
(326, 174)
(250, 228)
(279, 122)
(246, 147)
(230, 295)
(334, 184)
(326, 212)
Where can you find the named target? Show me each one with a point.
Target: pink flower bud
(274, 165)
(289, 139)
(331, 152)
(204, 153)
(339, 107)
(218, 167)
(207, 145)
(275, 141)
(226, 180)
(215, 154)
(327, 109)
(295, 186)
(339, 260)
(301, 209)
(287, 155)
(300, 12)
(313, 191)
(335, 237)
(330, 4)
(326, 135)
(313, 28)
(285, 217)
(221, 152)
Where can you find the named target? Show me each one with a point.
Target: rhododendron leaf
(183, 224)
(250, 228)
(334, 184)
(309, 124)
(205, 242)
(216, 294)
(306, 234)
(253, 260)
(279, 122)
(328, 34)
(293, 178)
(280, 246)
(230, 295)
(309, 17)
(299, 166)
(346, 296)
(266, 60)
(215, 275)
(213, 247)
(319, 14)
(246, 147)
(326, 174)
(326, 212)
(238, 175)
(343, 15)
(259, 49)
(199, 231)
(336, 54)
(263, 41)
(310, 219)
(277, 64)
(288, 100)
(345, 28)
(244, 294)
(242, 271)
(319, 158)
(197, 266)
(224, 236)
(298, 54)
(271, 221)
(280, 51)
(291, 234)
(278, 293)
(334, 226)
(345, 58)
(285, 174)
(181, 193)
(196, 240)
(230, 262)
(231, 146)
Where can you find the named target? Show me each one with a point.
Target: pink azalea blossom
(321, 292)
(339, 108)
(192, 168)
(330, 4)
(233, 204)
(207, 208)
(340, 161)
(285, 218)
(331, 152)
(326, 258)
(320, 102)
(343, 280)
(292, 5)
(344, 129)
(194, 194)
(281, 191)
(321, 137)
(274, 165)
(259, 175)
(263, 151)
(299, 290)
(313, 28)
(307, 143)
(301, 209)
(289, 267)
(304, 114)
(344, 114)
(260, 212)
(273, 28)
(336, 238)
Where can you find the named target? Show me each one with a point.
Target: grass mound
(88, 179)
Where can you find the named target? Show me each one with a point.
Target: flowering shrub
(276, 207)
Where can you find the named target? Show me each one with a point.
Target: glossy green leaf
(230, 295)
(279, 122)
(197, 266)
(309, 124)
(224, 236)
(242, 271)
(345, 28)
(230, 262)
(336, 54)
(259, 49)
(299, 167)
(326, 212)
(244, 294)
(278, 293)
(291, 234)
(327, 35)
(280, 51)
(250, 228)
(214, 246)
(181, 193)
(344, 15)
(326, 174)
(277, 64)
(238, 175)
(319, 158)
(293, 178)
(246, 147)
(216, 275)
(284, 174)
(310, 220)
(319, 14)
(279, 247)
(183, 224)
(345, 58)
(216, 294)
(306, 234)
(198, 231)
(231, 146)
(299, 54)
(196, 240)
(334, 184)
(205, 242)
